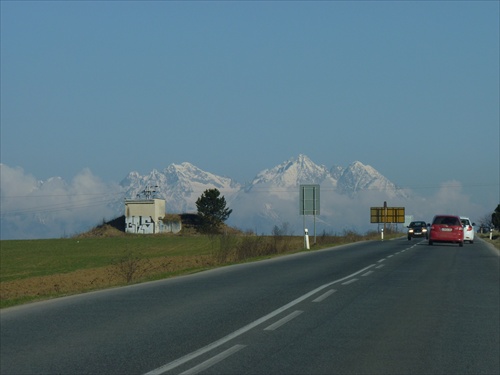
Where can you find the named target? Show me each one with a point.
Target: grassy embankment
(495, 238)
(32, 270)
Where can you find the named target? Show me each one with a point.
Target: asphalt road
(378, 307)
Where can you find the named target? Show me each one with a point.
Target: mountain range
(272, 197)
(56, 208)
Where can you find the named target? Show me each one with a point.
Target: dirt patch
(100, 278)
(105, 230)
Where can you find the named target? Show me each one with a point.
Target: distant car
(417, 229)
(446, 228)
(468, 229)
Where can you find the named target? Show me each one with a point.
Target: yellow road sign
(387, 214)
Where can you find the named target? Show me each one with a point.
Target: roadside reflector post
(491, 233)
(382, 233)
(306, 239)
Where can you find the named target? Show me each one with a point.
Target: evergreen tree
(212, 210)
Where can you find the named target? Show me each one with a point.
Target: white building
(146, 216)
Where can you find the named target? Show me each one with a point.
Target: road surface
(376, 307)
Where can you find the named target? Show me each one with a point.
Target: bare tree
(485, 222)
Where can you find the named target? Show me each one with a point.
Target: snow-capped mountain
(359, 177)
(182, 184)
(351, 180)
(292, 173)
(179, 184)
(271, 198)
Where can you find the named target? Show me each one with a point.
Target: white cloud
(448, 199)
(340, 212)
(53, 208)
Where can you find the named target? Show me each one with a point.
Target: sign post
(387, 215)
(309, 204)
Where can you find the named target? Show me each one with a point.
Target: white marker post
(382, 233)
(491, 233)
(306, 239)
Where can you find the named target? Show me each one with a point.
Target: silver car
(468, 229)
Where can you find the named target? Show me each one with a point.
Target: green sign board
(309, 199)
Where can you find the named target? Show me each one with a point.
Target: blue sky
(408, 87)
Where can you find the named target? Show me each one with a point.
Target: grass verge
(495, 238)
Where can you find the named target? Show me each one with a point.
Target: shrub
(250, 247)
(130, 267)
(222, 247)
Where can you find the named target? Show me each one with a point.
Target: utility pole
(385, 214)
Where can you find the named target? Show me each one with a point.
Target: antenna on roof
(148, 192)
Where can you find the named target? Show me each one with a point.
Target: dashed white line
(324, 295)
(212, 361)
(379, 266)
(282, 321)
(366, 274)
(248, 327)
(350, 282)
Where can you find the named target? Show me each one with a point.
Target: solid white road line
(248, 327)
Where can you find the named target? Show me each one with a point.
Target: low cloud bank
(32, 209)
(339, 213)
(51, 209)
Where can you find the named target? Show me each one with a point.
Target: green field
(39, 269)
(32, 270)
(25, 259)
